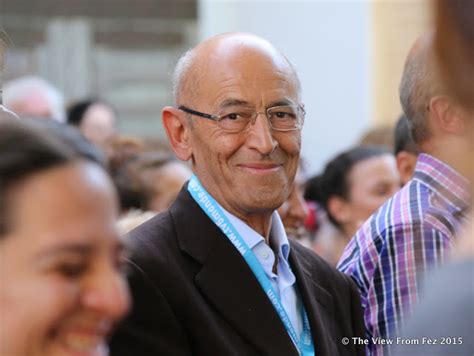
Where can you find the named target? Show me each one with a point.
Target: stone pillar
(65, 58)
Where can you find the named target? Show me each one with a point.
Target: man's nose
(107, 294)
(260, 135)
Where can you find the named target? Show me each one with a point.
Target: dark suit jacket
(194, 294)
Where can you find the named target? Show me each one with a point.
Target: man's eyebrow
(70, 248)
(281, 102)
(233, 102)
(238, 102)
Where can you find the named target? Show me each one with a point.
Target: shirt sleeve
(388, 269)
(358, 261)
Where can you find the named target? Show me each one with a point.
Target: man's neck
(259, 223)
(450, 154)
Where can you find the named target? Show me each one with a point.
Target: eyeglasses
(237, 119)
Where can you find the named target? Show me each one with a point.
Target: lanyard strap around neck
(304, 343)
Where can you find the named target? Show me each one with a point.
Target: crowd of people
(218, 242)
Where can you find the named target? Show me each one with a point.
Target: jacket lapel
(318, 304)
(227, 282)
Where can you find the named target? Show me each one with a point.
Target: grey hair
(19, 89)
(180, 78)
(417, 87)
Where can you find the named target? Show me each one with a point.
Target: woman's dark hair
(30, 146)
(76, 111)
(334, 181)
(403, 138)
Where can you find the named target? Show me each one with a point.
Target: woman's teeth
(82, 342)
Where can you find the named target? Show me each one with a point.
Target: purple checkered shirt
(411, 233)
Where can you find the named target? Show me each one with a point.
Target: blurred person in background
(294, 211)
(95, 119)
(352, 186)
(415, 230)
(62, 288)
(148, 184)
(153, 178)
(446, 309)
(378, 136)
(161, 177)
(34, 97)
(121, 149)
(405, 149)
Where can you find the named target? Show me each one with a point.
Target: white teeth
(82, 343)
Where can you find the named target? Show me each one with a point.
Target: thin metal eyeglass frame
(218, 118)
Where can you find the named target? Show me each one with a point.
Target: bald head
(220, 52)
(420, 82)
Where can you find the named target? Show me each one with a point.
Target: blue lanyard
(212, 209)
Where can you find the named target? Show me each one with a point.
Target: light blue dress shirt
(284, 281)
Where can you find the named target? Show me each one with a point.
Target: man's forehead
(249, 88)
(239, 61)
(243, 52)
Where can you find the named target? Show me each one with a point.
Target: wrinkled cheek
(293, 168)
(292, 150)
(291, 144)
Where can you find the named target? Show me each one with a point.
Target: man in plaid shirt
(413, 231)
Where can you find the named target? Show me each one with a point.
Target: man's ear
(448, 115)
(178, 131)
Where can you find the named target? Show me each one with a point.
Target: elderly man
(414, 230)
(216, 274)
(34, 97)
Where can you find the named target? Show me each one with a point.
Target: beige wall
(396, 24)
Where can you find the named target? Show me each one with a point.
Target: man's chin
(262, 202)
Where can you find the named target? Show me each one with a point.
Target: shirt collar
(443, 179)
(252, 238)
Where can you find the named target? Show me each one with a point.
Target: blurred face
(372, 182)
(294, 210)
(62, 288)
(250, 172)
(98, 124)
(165, 184)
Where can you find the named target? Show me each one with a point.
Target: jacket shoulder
(152, 238)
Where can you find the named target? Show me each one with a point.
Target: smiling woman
(354, 185)
(61, 285)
